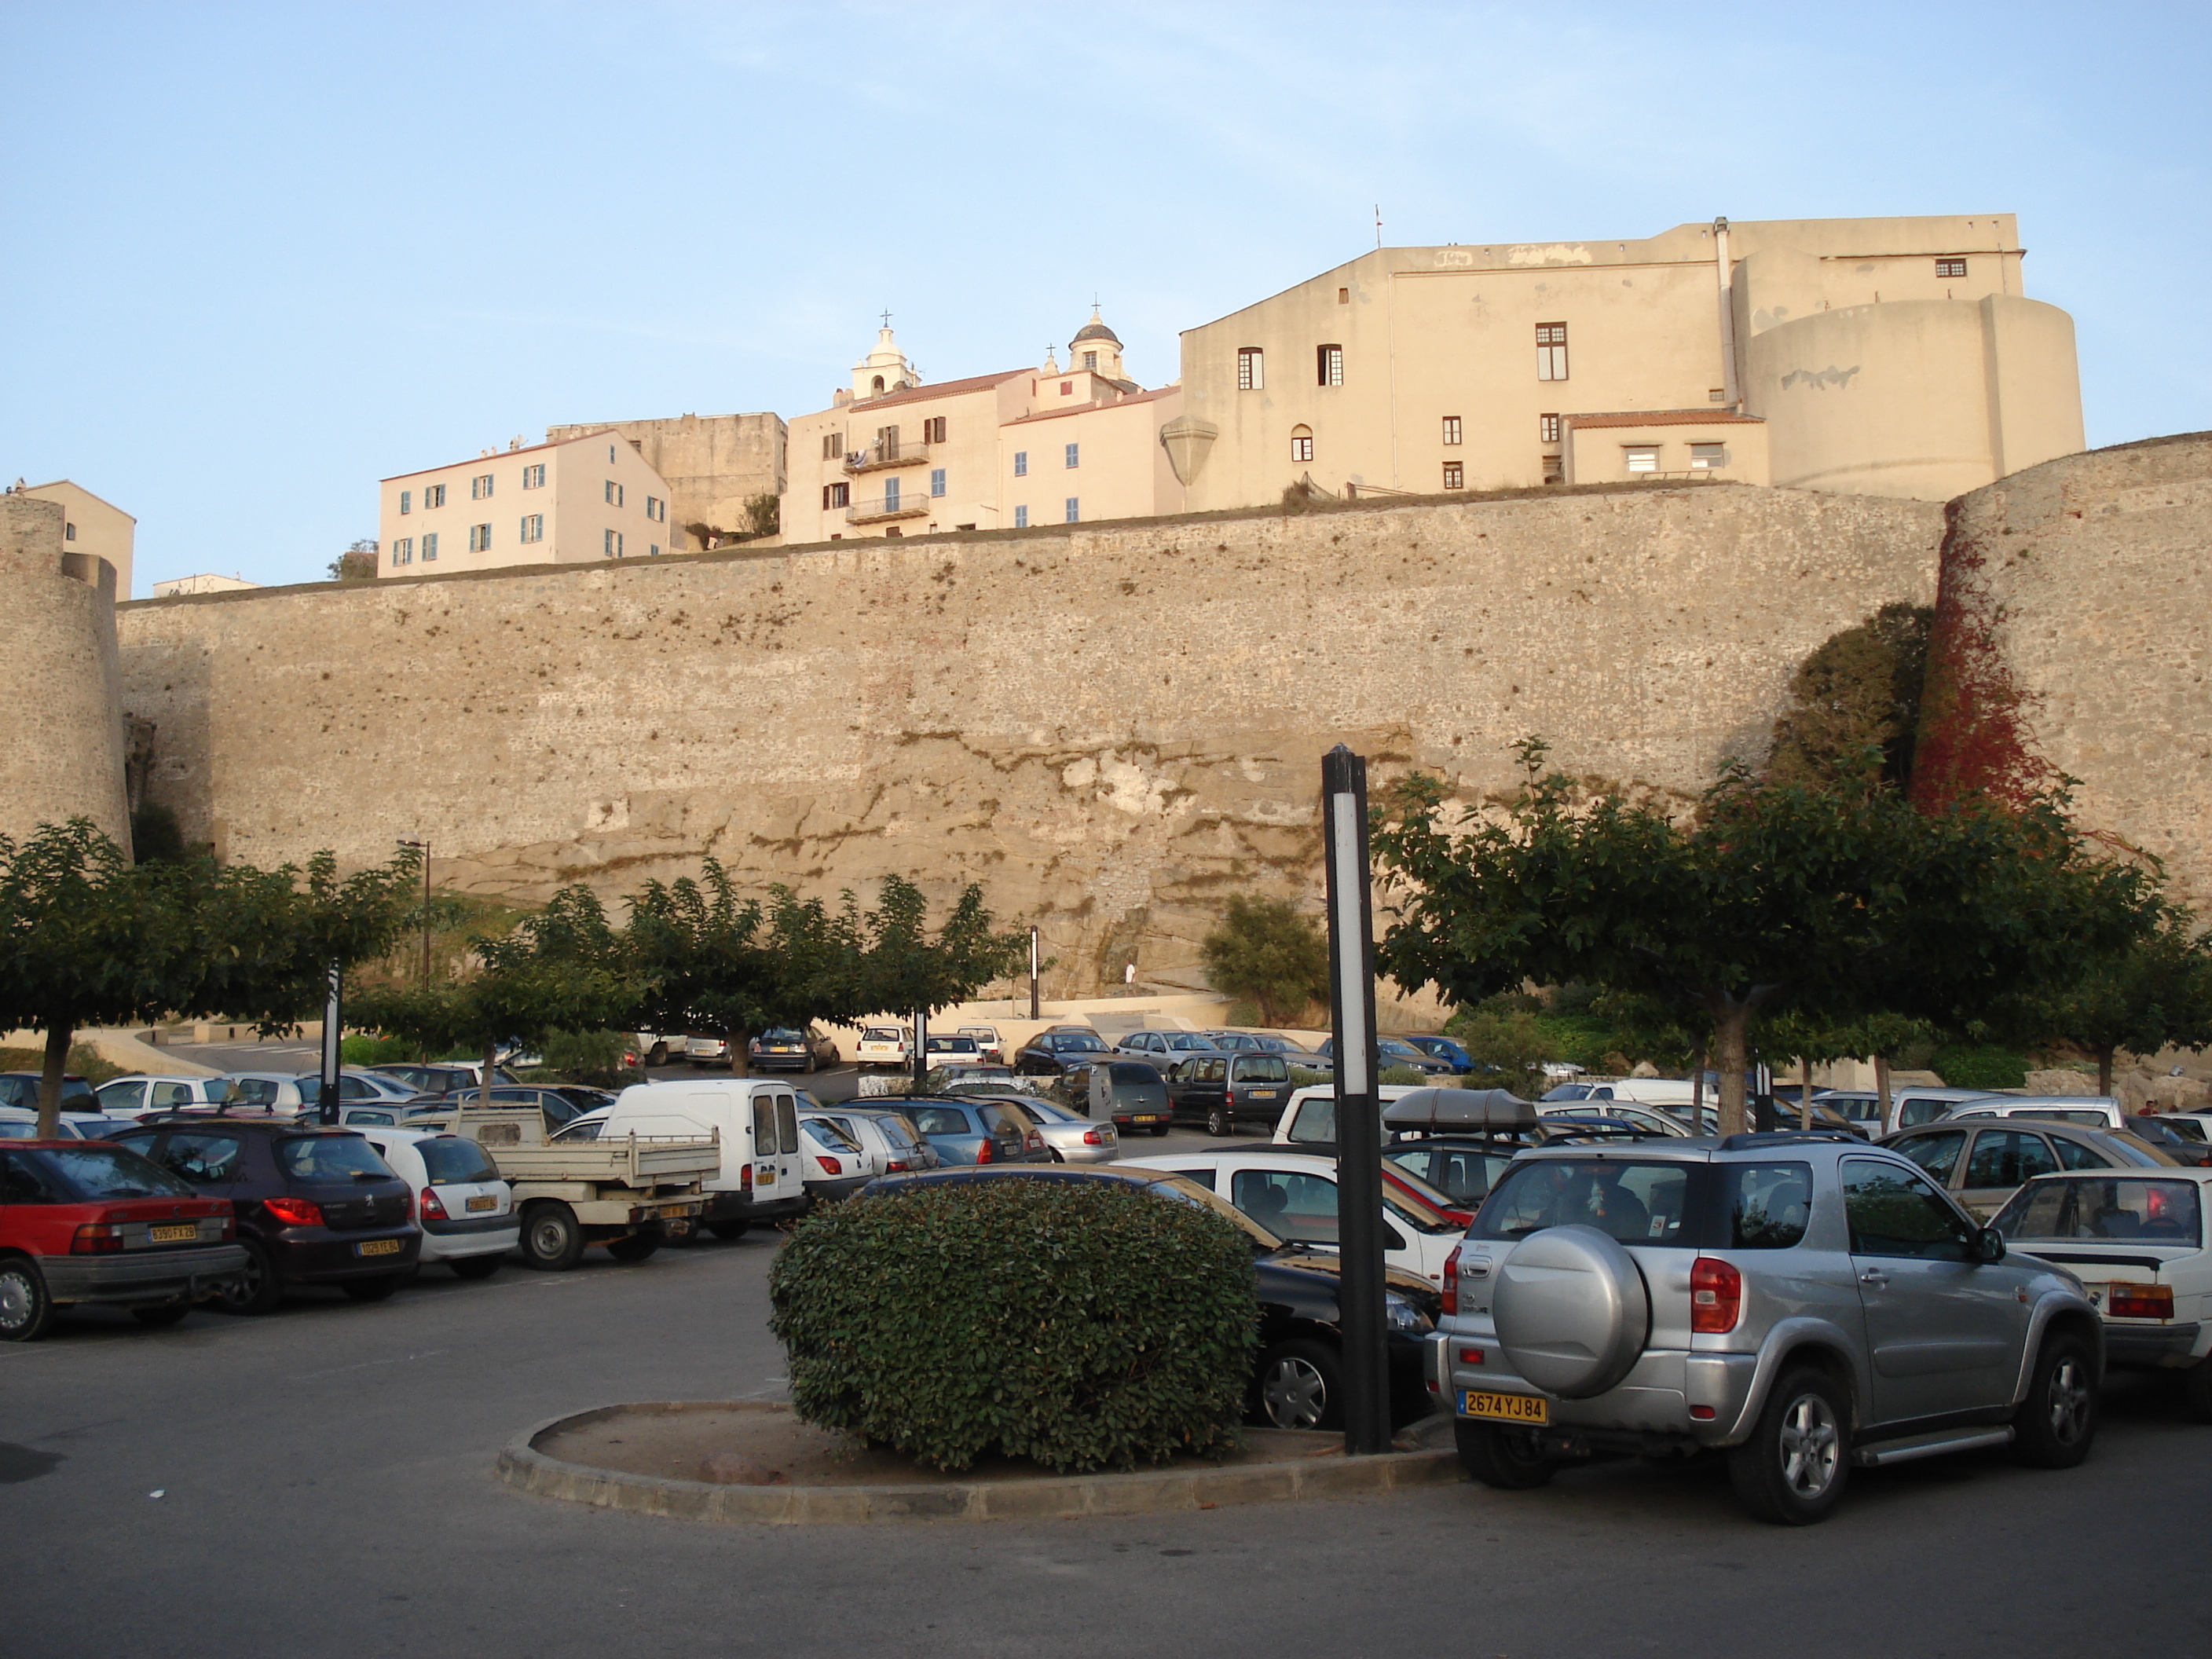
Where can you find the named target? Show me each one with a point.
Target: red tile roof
(1666, 417)
(1086, 409)
(914, 394)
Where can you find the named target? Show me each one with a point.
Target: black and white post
(333, 1033)
(1033, 972)
(1358, 1110)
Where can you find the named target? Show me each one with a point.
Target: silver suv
(1802, 1301)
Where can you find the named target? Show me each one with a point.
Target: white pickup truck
(628, 1193)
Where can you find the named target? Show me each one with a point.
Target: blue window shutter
(1021, 518)
(1074, 510)
(937, 481)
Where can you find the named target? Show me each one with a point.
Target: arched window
(877, 383)
(1301, 443)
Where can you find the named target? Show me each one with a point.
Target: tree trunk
(1698, 1088)
(1804, 1092)
(50, 1080)
(2104, 1072)
(738, 1043)
(484, 1089)
(1731, 1054)
(1882, 1090)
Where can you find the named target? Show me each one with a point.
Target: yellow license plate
(377, 1246)
(1505, 1407)
(482, 1202)
(180, 1235)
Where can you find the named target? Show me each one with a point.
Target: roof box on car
(1460, 1109)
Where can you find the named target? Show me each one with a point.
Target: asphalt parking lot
(319, 1482)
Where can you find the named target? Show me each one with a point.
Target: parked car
(2091, 1111)
(884, 1045)
(553, 1104)
(1662, 1091)
(1396, 1051)
(1293, 1195)
(1309, 1116)
(266, 1092)
(1265, 1042)
(20, 1090)
(139, 1093)
(706, 1047)
(654, 1048)
(1909, 1106)
(1981, 1162)
(987, 1043)
(967, 1074)
(1071, 1137)
(942, 1048)
(19, 1123)
(2165, 1133)
(762, 1175)
(1165, 1050)
(786, 1049)
(1646, 1120)
(1297, 1377)
(833, 1165)
(357, 1086)
(1222, 1091)
(314, 1206)
(442, 1078)
(1052, 1052)
(976, 1131)
(1444, 1048)
(2137, 1241)
(1130, 1094)
(466, 1210)
(1803, 1303)
(2190, 1126)
(97, 1224)
(893, 1145)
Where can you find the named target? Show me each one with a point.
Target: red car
(85, 1221)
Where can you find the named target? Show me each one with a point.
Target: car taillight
(1715, 1296)
(433, 1206)
(983, 1151)
(1092, 1138)
(745, 1179)
(1033, 1141)
(96, 1238)
(896, 1166)
(1451, 1281)
(2124, 1301)
(830, 1165)
(295, 1211)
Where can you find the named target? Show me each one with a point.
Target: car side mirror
(1989, 1246)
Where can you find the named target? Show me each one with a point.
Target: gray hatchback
(1801, 1303)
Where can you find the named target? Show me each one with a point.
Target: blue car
(978, 1131)
(1444, 1048)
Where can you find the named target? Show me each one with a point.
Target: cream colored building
(893, 456)
(1878, 356)
(93, 528)
(714, 466)
(573, 502)
(207, 582)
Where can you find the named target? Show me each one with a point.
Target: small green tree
(1509, 1048)
(2155, 992)
(762, 515)
(1858, 693)
(1263, 950)
(901, 968)
(356, 564)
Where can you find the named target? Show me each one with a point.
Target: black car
(1051, 1051)
(1297, 1381)
(785, 1050)
(20, 1090)
(314, 1206)
(1222, 1091)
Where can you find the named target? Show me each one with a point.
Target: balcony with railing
(876, 509)
(876, 457)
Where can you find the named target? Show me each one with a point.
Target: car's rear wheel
(379, 1289)
(1218, 1123)
(552, 1239)
(161, 1314)
(2057, 1421)
(1793, 1470)
(26, 1312)
(474, 1267)
(1159, 1129)
(2196, 1389)
(1506, 1458)
(257, 1290)
(1302, 1385)
(728, 1230)
(636, 1248)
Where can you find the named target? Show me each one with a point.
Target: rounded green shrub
(1962, 1067)
(1085, 1324)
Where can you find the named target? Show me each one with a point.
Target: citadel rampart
(1111, 726)
(2074, 634)
(61, 741)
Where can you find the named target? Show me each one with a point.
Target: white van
(763, 1175)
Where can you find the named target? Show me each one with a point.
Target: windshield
(451, 1161)
(2093, 1208)
(1190, 1192)
(1078, 1042)
(940, 1120)
(104, 1172)
(1635, 1202)
(330, 1158)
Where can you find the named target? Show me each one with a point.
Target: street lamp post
(1358, 1111)
(1033, 971)
(423, 847)
(333, 1034)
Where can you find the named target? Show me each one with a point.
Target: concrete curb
(523, 1466)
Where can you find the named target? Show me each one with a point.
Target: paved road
(325, 1489)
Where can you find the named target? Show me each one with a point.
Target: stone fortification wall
(713, 464)
(2074, 636)
(61, 728)
(1110, 725)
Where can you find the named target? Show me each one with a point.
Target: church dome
(1093, 330)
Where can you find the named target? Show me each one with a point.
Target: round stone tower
(61, 713)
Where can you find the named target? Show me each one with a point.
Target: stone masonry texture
(1111, 726)
(61, 732)
(2086, 583)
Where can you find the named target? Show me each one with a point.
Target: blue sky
(261, 256)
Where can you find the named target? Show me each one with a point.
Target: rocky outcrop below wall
(2073, 637)
(1110, 725)
(61, 733)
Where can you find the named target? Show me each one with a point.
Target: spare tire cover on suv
(1571, 1311)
